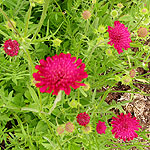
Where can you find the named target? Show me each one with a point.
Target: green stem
(27, 22)
(10, 22)
(137, 23)
(45, 7)
(40, 99)
(129, 61)
(45, 119)
(94, 50)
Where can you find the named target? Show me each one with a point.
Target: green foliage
(27, 120)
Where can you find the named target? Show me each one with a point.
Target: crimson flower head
(119, 36)
(101, 127)
(60, 73)
(124, 127)
(83, 119)
(11, 47)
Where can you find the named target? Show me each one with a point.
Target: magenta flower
(119, 36)
(124, 127)
(83, 119)
(101, 127)
(11, 47)
(60, 73)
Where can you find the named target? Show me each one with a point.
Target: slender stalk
(10, 22)
(137, 23)
(129, 61)
(45, 7)
(94, 50)
(27, 22)
(45, 119)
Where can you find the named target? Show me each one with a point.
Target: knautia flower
(101, 127)
(124, 126)
(83, 119)
(114, 13)
(60, 130)
(11, 47)
(132, 73)
(86, 14)
(126, 80)
(119, 36)
(142, 32)
(69, 127)
(119, 5)
(87, 129)
(144, 11)
(60, 72)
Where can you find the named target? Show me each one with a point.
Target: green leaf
(126, 18)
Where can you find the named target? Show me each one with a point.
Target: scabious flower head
(126, 80)
(132, 73)
(60, 130)
(69, 127)
(144, 11)
(101, 127)
(86, 14)
(11, 47)
(124, 126)
(60, 73)
(119, 36)
(142, 32)
(83, 119)
(87, 129)
(114, 13)
(101, 29)
(119, 5)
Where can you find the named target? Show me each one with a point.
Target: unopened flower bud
(114, 13)
(86, 87)
(126, 80)
(56, 42)
(144, 11)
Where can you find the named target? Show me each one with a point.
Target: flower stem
(27, 22)
(49, 126)
(45, 7)
(94, 50)
(10, 22)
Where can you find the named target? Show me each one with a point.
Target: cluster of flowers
(124, 125)
(61, 72)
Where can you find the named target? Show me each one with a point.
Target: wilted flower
(126, 80)
(86, 14)
(11, 47)
(132, 73)
(60, 129)
(119, 5)
(69, 127)
(119, 36)
(101, 127)
(60, 73)
(124, 126)
(142, 32)
(83, 119)
(87, 129)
